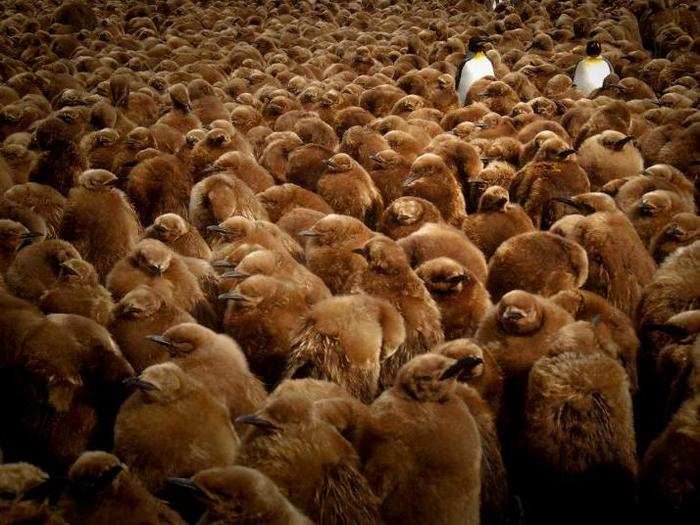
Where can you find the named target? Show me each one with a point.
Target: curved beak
(160, 340)
(464, 364)
(216, 228)
(308, 233)
(257, 421)
(139, 383)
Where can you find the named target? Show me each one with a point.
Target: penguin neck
(479, 55)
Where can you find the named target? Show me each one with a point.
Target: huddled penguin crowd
(349, 262)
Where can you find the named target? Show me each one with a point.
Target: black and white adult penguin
(476, 65)
(592, 70)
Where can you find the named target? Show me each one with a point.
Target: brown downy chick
(442, 240)
(486, 378)
(344, 339)
(390, 172)
(159, 184)
(650, 214)
(246, 168)
(349, 190)
(551, 173)
(608, 156)
(459, 294)
(682, 230)
(496, 220)
(61, 161)
(136, 107)
(99, 221)
(103, 490)
(421, 429)
(329, 251)
(279, 264)
(263, 314)
(304, 453)
(283, 198)
(406, 215)
(78, 291)
(180, 117)
(158, 423)
(101, 148)
(179, 235)
(619, 266)
(37, 267)
(141, 312)
(579, 438)
(237, 230)
(431, 179)
(516, 331)
(26, 495)
(25, 216)
(13, 236)
(389, 276)
(607, 320)
(43, 200)
(217, 198)
(614, 115)
(216, 361)
(537, 262)
(670, 468)
(240, 495)
(152, 263)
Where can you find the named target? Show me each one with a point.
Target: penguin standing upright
(476, 65)
(592, 70)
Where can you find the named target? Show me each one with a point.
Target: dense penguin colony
(349, 262)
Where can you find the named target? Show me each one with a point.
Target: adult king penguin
(592, 70)
(476, 65)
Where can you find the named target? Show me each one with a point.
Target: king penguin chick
(26, 495)
(459, 294)
(349, 190)
(389, 174)
(432, 180)
(406, 215)
(309, 460)
(496, 220)
(141, 312)
(78, 291)
(580, 441)
(240, 495)
(37, 267)
(344, 339)
(329, 250)
(442, 240)
(42, 200)
(99, 221)
(537, 262)
(421, 429)
(151, 262)
(682, 230)
(179, 235)
(216, 361)
(516, 331)
(279, 264)
(101, 489)
(389, 276)
(551, 173)
(13, 236)
(608, 156)
(237, 230)
(158, 423)
(263, 314)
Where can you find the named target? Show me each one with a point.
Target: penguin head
(593, 48)
(477, 44)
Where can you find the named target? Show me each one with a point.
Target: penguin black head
(476, 44)
(593, 48)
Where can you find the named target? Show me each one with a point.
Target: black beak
(138, 383)
(566, 153)
(585, 209)
(188, 485)
(222, 263)
(464, 364)
(360, 251)
(160, 340)
(308, 233)
(211, 169)
(512, 316)
(232, 296)
(257, 421)
(235, 275)
(218, 229)
(30, 236)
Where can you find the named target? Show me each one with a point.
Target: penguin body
(478, 66)
(592, 70)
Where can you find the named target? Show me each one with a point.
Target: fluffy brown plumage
(99, 221)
